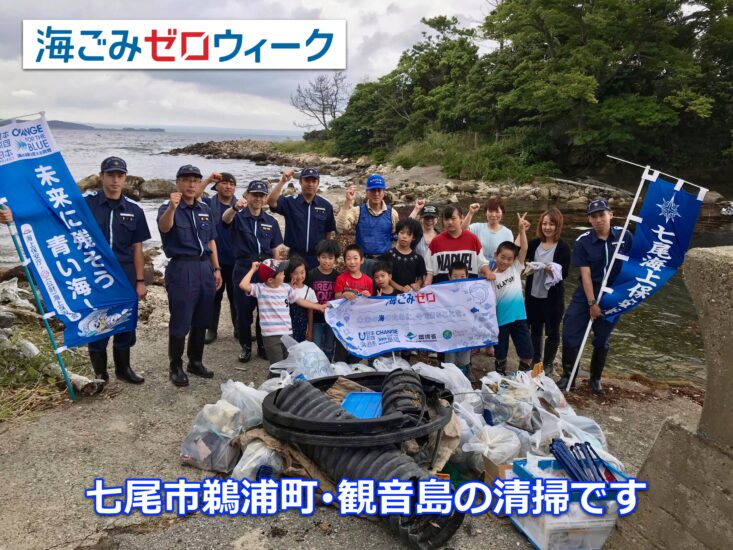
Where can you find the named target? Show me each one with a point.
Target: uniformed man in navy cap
(123, 224)
(308, 217)
(225, 189)
(592, 255)
(255, 237)
(193, 274)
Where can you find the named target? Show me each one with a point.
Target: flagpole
(24, 262)
(648, 173)
(660, 173)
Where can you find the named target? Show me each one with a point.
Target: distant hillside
(61, 125)
(143, 130)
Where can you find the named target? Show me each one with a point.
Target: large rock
(14, 297)
(131, 189)
(577, 203)
(16, 272)
(156, 189)
(688, 504)
(90, 182)
(713, 197)
(7, 318)
(27, 349)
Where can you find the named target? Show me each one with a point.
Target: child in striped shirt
(273, 302)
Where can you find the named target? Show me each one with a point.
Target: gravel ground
(50, 458)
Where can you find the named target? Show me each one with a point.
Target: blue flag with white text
(662, 236)
(73, 265)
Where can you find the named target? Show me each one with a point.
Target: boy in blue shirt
(510, 313)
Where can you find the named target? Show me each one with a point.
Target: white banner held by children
(450, 316)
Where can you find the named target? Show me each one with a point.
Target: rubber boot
(211, 332)
(195, 353)
(245, 340)
(122, 367)
(569, 355)
(175, 354)
(524, 367)
(548, 357)
(99, 364)
(597, 362)
(500, 366)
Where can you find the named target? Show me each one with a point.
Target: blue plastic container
(363, 404)
(520, 469)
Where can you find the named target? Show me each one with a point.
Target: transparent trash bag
(495, 443)
(247, 399)
(304, 358)
(258, 461)
(207, 445)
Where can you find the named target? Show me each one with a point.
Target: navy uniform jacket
(122, 223)
(590, 251)
(193, 228)
(306, 224)
(253, 236)
(223, 236)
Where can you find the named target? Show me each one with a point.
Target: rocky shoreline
(136, 188)
(406, 185)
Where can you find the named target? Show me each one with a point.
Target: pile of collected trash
(388, 420)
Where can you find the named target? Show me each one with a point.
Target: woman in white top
(492, 233)
(428, 216)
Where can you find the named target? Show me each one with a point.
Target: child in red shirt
(352, 282)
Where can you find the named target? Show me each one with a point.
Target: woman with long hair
(544, 291)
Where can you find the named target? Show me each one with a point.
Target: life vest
(374, 233)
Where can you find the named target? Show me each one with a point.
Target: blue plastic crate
(363, 404)
(520, 469)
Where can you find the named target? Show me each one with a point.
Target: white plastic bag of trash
(391, 362)
(496, 443)
(572, 428)
(455, 381)
(247, 399)
(258, 461)
(471, 425)
(272, 384)
(207, 445)
(304, 358)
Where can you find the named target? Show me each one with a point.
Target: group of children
(298, 307)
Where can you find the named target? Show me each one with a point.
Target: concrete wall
(690, 472)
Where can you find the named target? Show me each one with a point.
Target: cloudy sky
(378, 31)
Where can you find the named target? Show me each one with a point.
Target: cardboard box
(492, 471)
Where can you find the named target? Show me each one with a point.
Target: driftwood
(81, 384)
(595, 186)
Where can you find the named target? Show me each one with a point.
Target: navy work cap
(225, 177)
(310, 173)
(114, 164)
(188, 170)
(597, 205)
(257, 186)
